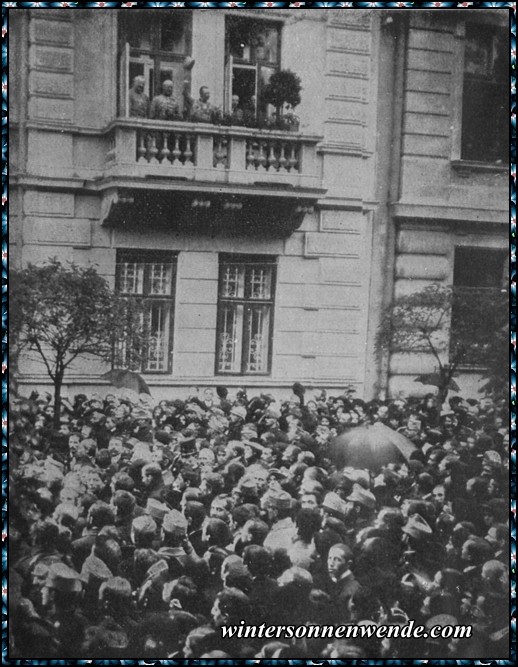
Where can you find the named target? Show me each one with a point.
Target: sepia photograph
(258, 331)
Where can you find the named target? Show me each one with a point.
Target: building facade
(265, 255)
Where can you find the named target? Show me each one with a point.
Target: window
(148, 276)
(485, 96)
(154, 45)
(245, 315)
(479, 306)
(253, 54)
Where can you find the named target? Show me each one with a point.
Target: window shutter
(124, 81)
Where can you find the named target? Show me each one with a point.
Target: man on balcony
(164, 106)
(202, 110)
(138, 100)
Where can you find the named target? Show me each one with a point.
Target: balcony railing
(199, 152)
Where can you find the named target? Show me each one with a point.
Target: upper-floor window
(245, 314)
(153, 44)
(253, 51)
(148, 276)
(485, 95)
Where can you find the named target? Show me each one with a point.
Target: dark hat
(278, 474)
(188, 446)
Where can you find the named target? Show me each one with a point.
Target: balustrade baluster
(188, 154)
(272, 160)
(165, 152)
(261, 160)
(176, 153)
(250, 155)
(293, 161)
(282, 158)
(141, 147)
(153, 150)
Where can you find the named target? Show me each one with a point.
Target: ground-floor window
(149, 276)
(245, 314)
(479, 284)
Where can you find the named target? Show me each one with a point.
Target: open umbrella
(436, 380)
(127, 379)
(371, 446)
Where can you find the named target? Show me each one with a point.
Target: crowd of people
(139, 531)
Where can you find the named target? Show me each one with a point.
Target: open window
(153, 44)
(253, 54)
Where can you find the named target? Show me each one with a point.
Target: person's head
(195, 514)
(216, 532)
(258, 560)
(221, 508)
(231, 606)
(151, 474)
(339, 559)
(174, 529)
(204, 94)
(199, 641)
(309, 501)
(124, 504)
(143, 532)
(115, 596)
(254, 532)
(308, 521)
(497, 536)
(439, 494)
(235, 101)
(167, 88)
(99, 515)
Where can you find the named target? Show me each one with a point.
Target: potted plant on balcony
(284, 89)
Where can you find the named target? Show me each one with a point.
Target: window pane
(258, 331)
(130, 277)
(160, 279)
(230, 338)
(173, 35)
(260, 283)
(158, 341)
(233, 281)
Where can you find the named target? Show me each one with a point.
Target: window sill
(472, 166)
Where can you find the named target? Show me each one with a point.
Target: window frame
(147, 258)
(151, 58)
(492, 21)
(270, 261)
(254, 64)
(474, 289)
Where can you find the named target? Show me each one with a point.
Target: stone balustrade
(209, 153)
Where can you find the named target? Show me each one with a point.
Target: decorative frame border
(512, 303)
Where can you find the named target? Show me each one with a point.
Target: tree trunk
(58, 382)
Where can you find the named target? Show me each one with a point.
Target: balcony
(210, 154)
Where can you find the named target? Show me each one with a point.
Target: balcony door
(252, 56)
(153, 45)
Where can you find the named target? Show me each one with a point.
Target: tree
(63, 312)
(458, 327)
(283, 88)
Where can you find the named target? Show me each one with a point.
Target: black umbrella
(127, 379)
(371, 446)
